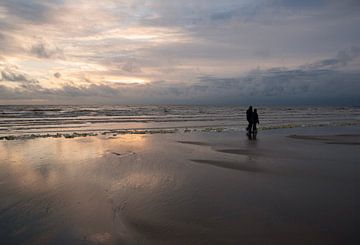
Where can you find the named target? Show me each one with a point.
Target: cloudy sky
(180, 52)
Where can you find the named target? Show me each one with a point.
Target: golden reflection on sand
(139, 181)
(43, 163)
(136, 140)
(65, 151)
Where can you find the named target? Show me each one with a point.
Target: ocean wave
(42, 121)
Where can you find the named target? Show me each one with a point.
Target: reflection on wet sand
(176, 189)
(241, 166)
(342, 139)
(59, 180)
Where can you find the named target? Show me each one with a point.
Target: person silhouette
(249, 118)
(255, 120)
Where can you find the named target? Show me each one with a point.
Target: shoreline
(158, 130)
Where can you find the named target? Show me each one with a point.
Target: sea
(32, 121)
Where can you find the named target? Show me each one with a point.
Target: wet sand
(340, 139)
(295, 186)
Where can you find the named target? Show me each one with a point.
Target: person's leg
(254, 127)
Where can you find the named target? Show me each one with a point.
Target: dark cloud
(288, 86)
(260, 87)
(36, 11)
(238, 31)
(342, 59)
(243, 12)
(301, 3)
(42, 50)
(223, 15)
(131, 67)
(10, 75)
(57, 74)
(97, 90)
(322, 82)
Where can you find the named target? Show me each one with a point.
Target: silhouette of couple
(253, 119)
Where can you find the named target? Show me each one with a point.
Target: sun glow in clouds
(141, 34)
(128, 80)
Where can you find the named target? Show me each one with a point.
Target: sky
(268, 52)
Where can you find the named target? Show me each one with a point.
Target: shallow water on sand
(199, 188)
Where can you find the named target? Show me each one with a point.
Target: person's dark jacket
(255, 117)
(249, 116)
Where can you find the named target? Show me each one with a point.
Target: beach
(152, 122)
(289, 186)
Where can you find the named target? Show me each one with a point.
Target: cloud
(342, 59)
(30, 10)
(131, 67)
(287, 86)
(12, 75)
(305, 84)
(301, 3)
(41, 49)
(8, 44)
(57, 74)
